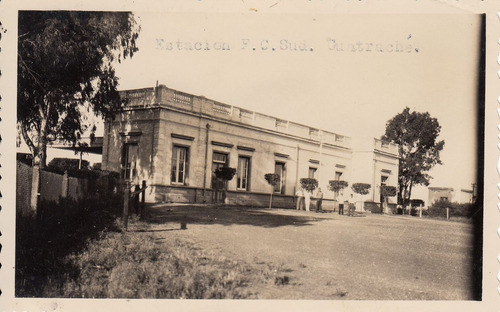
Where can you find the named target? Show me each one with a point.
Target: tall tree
(65, 70)
(416, 134)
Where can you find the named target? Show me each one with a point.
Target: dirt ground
(328, 256)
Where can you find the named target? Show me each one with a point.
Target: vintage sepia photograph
(212, 155)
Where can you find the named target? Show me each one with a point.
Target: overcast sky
(342, 88)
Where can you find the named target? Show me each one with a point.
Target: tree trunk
(29, 142)
(226, 201)
(43, 132)
(409, 192)
(42, 145)
(35, 189)
(271, 199)
(400, 194)
(39, 157)
(405, 195)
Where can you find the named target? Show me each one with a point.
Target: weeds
(83, 252)
(133, 265)
(42, 244)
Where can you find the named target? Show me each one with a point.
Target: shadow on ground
(160, 214)
(43, 243)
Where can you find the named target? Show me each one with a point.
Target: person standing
(307, 199)
(319, 196)
(340, 201)
(300, 198)
(346, 206)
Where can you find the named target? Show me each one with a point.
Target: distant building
(87, 149)
(175, 141)
(450, 194)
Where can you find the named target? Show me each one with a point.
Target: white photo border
(491, 230)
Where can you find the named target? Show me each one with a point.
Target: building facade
(175, 141)
(450, 194)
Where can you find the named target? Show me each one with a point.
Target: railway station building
(174, 141)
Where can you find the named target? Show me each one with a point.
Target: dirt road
(327, 256)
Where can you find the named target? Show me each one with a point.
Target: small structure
(450, 194)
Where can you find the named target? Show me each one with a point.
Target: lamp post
(205, 167)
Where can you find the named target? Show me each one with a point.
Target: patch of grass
(136, 265)
(80, 252)
(43, 243)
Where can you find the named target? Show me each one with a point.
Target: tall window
(243, 173)
(279, 169)
(312, 172)
(383, 180)
(129, 160)
(218, 160)
(179, 165)
(338, 175)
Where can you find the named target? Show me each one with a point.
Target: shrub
(225, 173)
(309, 184)
(387, 190)
(438, 209)
(372, 206)
(361, 188)
(272, 178)
(25, 158)
(337, 185)
(62, 165)
(66, 164)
